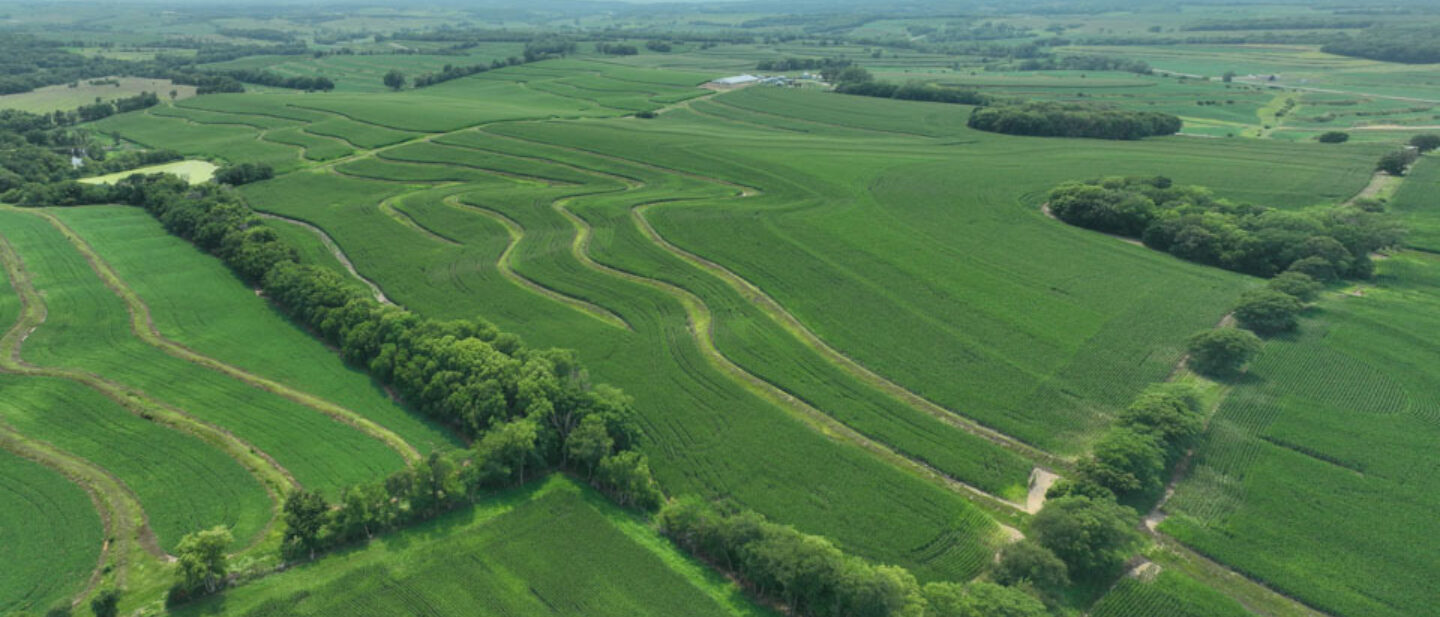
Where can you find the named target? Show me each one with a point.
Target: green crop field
(1348, 406)
(49, 526)
(1169, 594)
(850, 313)
(500, 558)
(1415, 201)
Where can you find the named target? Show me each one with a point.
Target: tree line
(1326, 243)
(1046, 119)
(856, 80)
(1075, 62)
(1407, 44)
(810, 577)
(105, 109)
(616, 49)
(801, 64)
(317, 83)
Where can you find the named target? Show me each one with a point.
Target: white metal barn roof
(736, 80)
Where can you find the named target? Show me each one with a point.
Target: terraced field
(834, 310)
(49, 523)
(1349, 407)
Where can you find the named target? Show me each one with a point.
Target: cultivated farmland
(859, 367)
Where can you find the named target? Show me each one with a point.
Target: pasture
(65, 98)
(194, 172)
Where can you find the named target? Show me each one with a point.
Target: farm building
(738, 80)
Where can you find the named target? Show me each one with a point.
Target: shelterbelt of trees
(1408, 44)
(1189, 222)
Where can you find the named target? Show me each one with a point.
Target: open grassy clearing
(87, 328)
(64, 98)
(1347, 407)
(502, 557)
(49, 525)
(194, 172)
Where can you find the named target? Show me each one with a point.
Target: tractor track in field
(142, 325)
(505, 265)
(272, 477)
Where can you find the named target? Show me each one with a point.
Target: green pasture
(64, 98)
(1315, 475)
(194, 172)
(553, 548)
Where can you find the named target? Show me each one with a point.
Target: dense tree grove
(813, 578)
(616, 49)
(1221, 352)
(522, 406)
(393, 79)
(801, 64)
(1130, 459)
(914, 91)
(201, 563)
(1077, 62)
(1268, 311)
(295, 82)
(1044, 119)
(1333, 137)
(1408, 44)
(1093, 536)
(1191, 223)
(244, 173)
(37, 150)
(449, 72)
(1425, 142)
(1395, 162)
